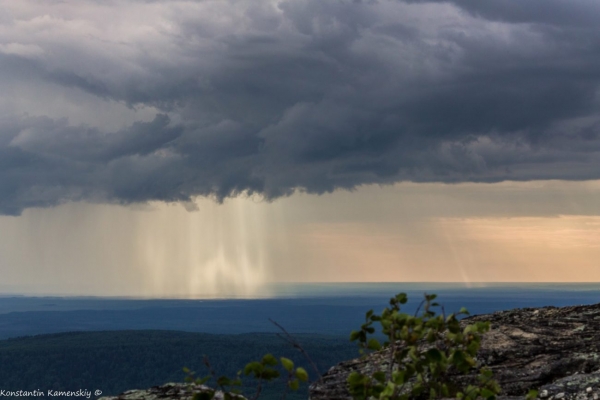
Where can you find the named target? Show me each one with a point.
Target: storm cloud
(131, 101)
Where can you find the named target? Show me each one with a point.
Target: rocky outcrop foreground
(554, 350)
(171, 391)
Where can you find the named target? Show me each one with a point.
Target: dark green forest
(115, 361)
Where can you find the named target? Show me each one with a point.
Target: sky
(192, 148)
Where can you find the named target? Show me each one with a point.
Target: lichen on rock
(554, 350)
(171, 391)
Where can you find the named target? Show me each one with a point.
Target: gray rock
(554, 350)
(172, 391)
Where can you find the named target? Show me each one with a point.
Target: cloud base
(134, 101)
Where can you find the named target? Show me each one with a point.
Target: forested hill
(115, 361)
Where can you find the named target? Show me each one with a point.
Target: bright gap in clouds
(505, 232)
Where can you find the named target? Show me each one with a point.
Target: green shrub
(262, 371)
(425, 354)
(425, 351)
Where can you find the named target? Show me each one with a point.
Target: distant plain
(323, 308)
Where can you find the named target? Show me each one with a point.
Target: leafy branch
(425, 351)
(262, 371)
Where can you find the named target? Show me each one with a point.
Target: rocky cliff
(554, 350)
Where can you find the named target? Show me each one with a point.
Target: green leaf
(388, 390)
(355, 378)
(287, 364)
(374, 344)
(294, 384)
(223, 381)
(269, 374)
(430, 297)
(253, 367)
(399, 377)
(379, 376)
(401, 298)
(268, 359)
(473, 347)
(434, 355)
(417, 389)
(532, 395)
(463, 310)
(301, 374)
(486, 373)
(202, 381)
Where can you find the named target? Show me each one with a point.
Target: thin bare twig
(420, 305)
(210, 369)
(290, 339)
(392, 351)
(258, 389)
(287, 385)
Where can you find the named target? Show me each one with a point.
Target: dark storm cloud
(551, 12)
(272, 97)
(83, 144)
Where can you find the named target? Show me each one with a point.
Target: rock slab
(171, 391)
(554, 350)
